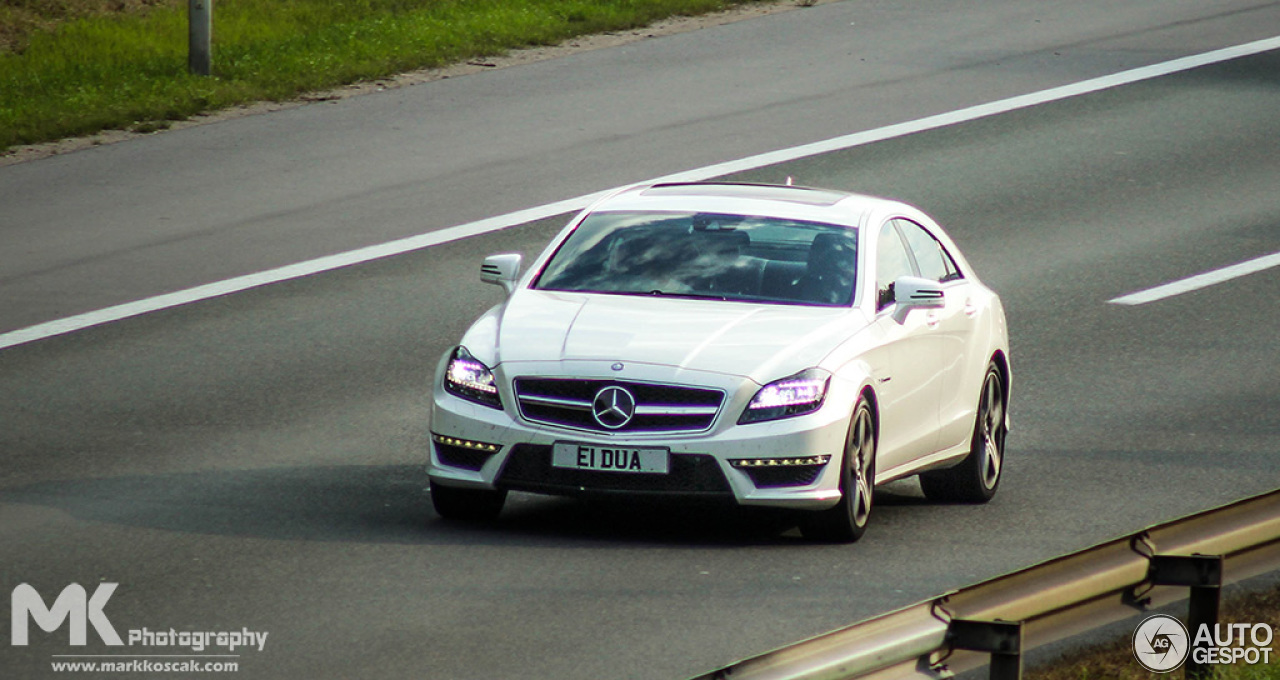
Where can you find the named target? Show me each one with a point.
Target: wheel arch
(1001, 360)
(874, 404)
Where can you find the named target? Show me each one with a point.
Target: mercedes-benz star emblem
(613, 407)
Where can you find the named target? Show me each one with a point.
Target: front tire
(457, 503)
(847, 521)
(977, 477)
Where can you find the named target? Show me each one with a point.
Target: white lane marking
(286, 273)
(1199, 281)
(500, 222)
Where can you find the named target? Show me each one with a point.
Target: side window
(934, 261)
(892, 261)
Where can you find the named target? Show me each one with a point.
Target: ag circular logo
(613, 407)
(1161, 643)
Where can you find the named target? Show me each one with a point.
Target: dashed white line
(492, 224)
(1199, 281)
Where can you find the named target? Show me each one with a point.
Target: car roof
(769, 192)
(772, 200)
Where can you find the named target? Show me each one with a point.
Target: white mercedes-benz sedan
(766, 345)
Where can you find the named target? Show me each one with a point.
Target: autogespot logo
(1161, 643)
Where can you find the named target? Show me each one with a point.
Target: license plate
(610, 458)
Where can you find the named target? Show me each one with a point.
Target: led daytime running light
(780, 462)
(465, 443)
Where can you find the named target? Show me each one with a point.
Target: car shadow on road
(389, 504)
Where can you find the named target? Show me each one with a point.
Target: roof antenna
(789, 181)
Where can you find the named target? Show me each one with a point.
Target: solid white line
(1199, 281)
(497, 223)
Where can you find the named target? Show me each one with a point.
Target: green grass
(81, 73)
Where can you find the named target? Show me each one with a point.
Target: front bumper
(481, 447)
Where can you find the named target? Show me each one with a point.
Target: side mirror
(503, 270)
(913, 292)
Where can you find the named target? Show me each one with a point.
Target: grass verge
(75, 67)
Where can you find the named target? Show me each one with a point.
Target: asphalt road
(255, 461)
(127, 221)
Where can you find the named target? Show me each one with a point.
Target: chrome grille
(567, 402)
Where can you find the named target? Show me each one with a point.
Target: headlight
(466, 377)
(792, 396)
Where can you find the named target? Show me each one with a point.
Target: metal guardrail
(999, 619)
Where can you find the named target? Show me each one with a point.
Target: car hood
(760, 341)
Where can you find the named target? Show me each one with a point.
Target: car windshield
(707, 255)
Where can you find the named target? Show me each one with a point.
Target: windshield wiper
(694, 296)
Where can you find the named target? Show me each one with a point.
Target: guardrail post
(1001, 639)
(1203, 574)
(200, 34)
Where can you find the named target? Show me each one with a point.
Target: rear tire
(847, 521)
(456, 503)
(976, 479)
